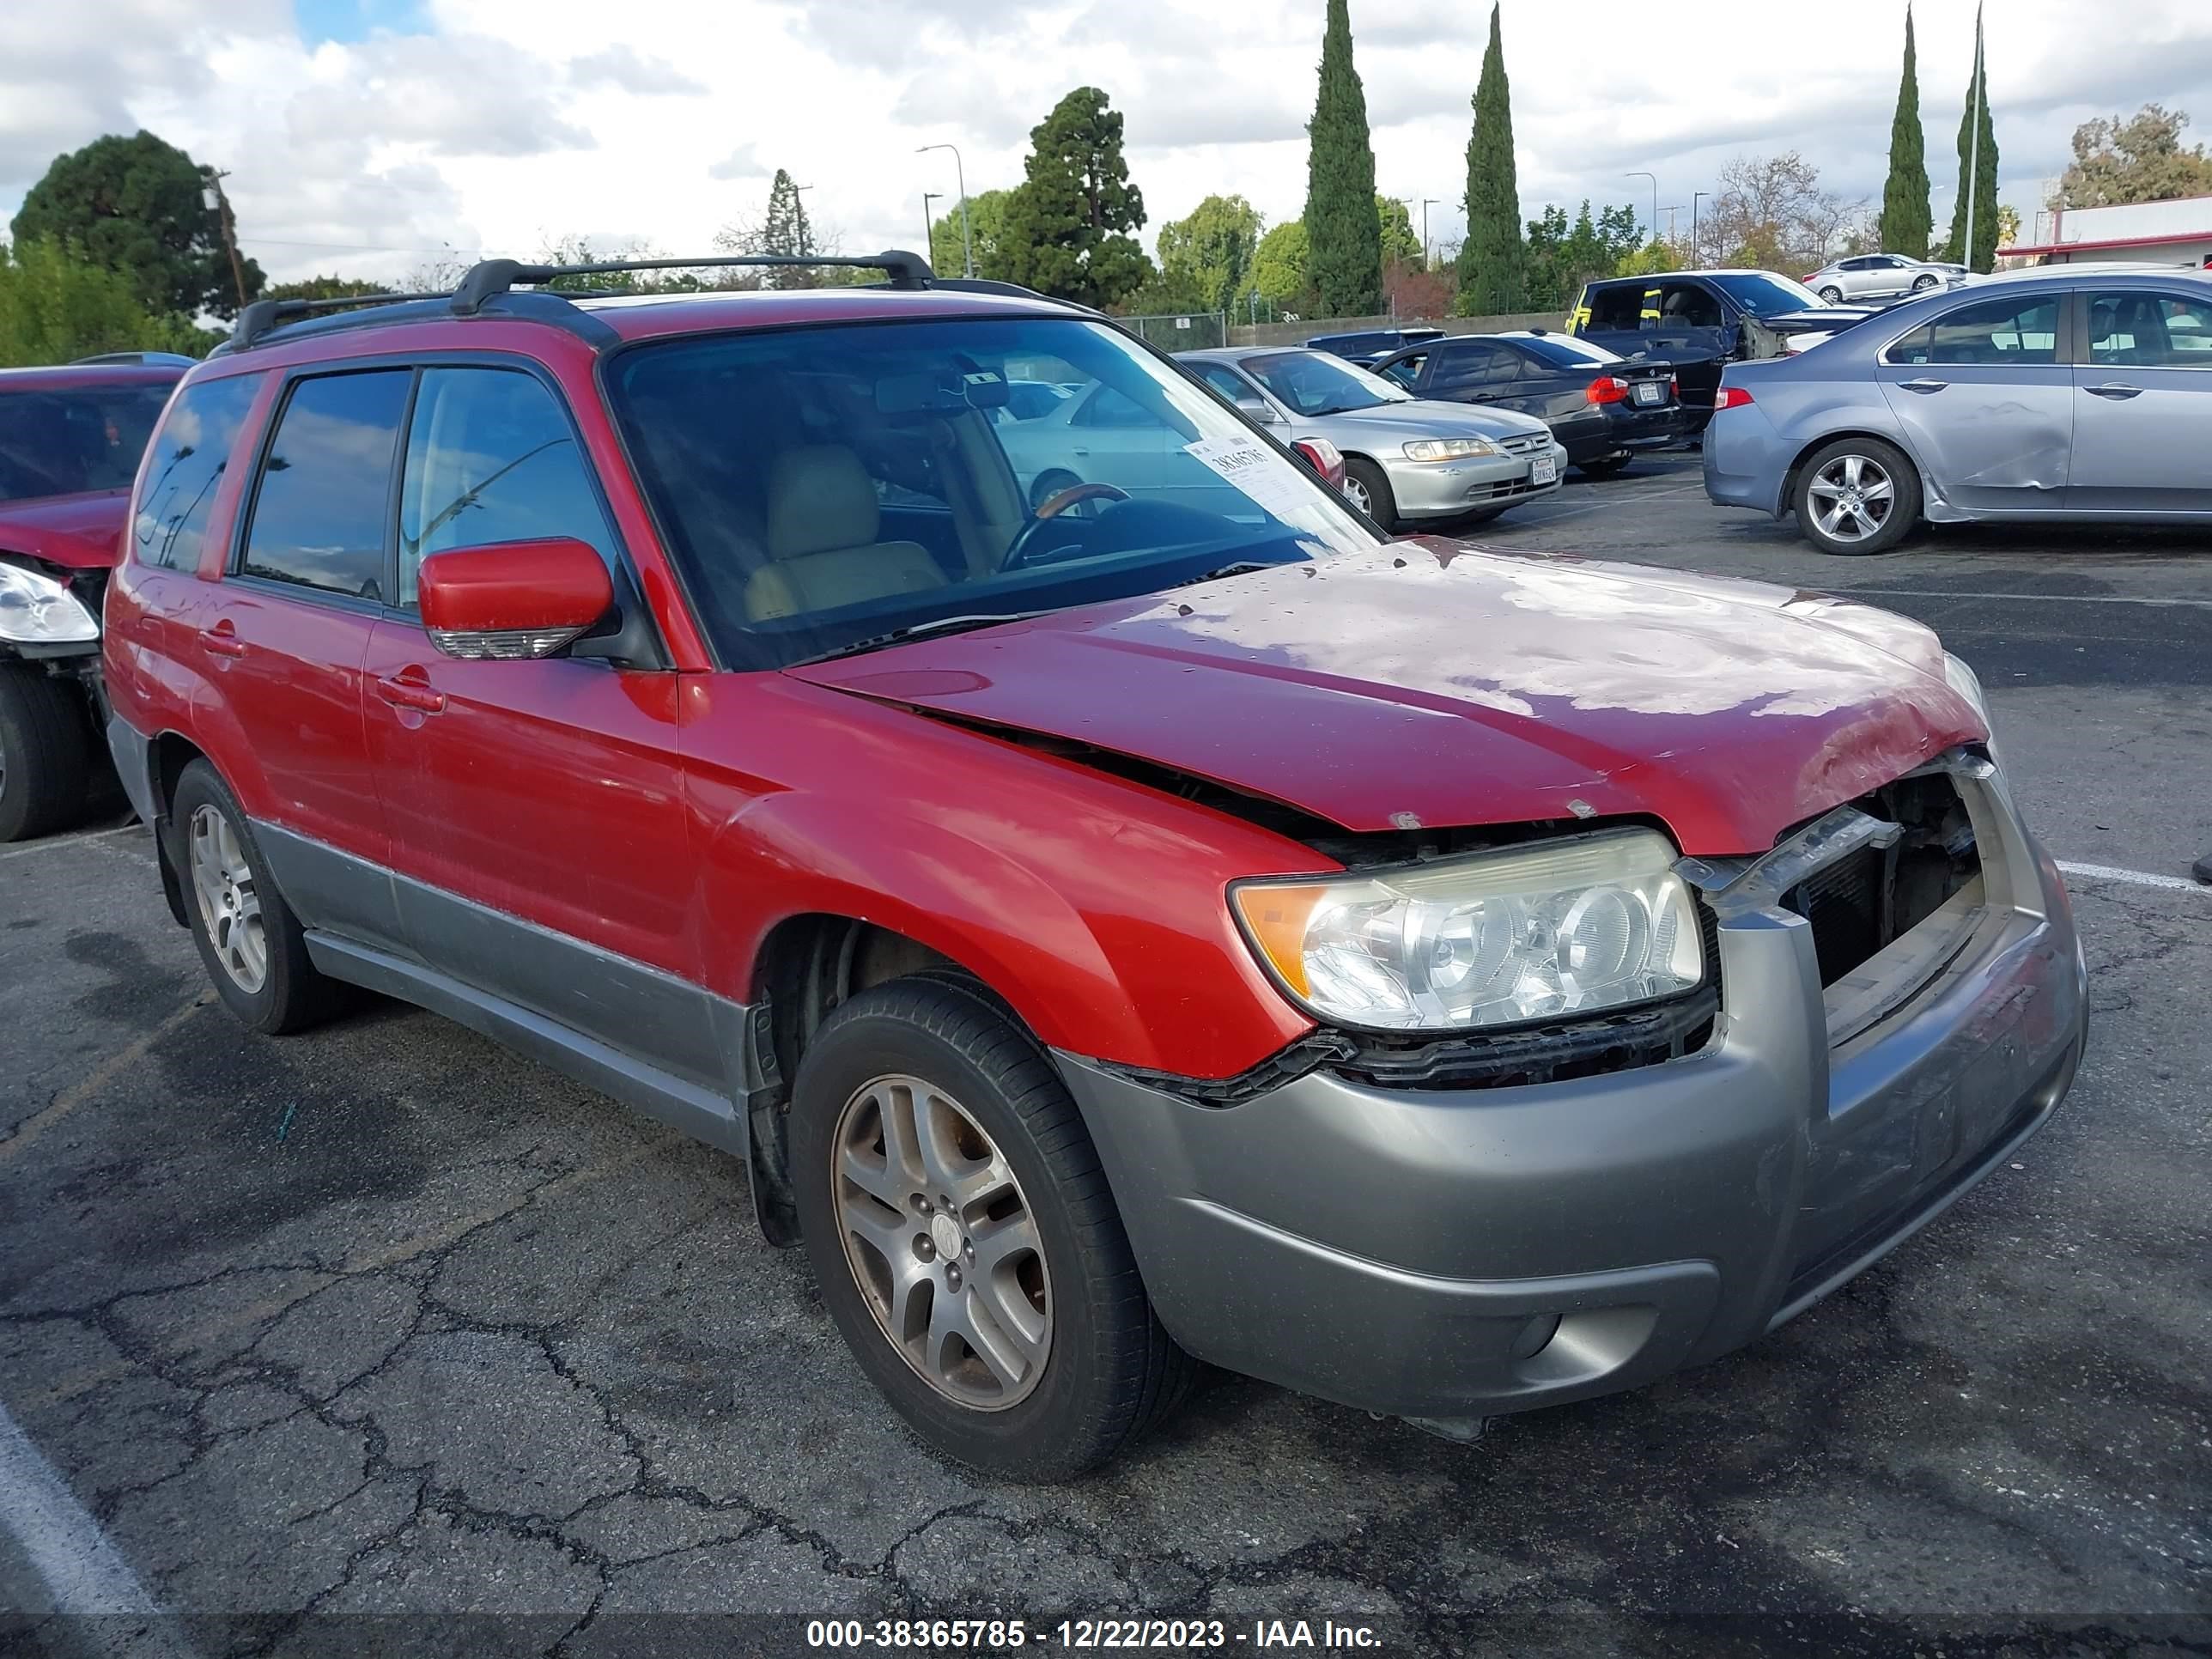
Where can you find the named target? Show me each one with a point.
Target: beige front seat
(822, 517)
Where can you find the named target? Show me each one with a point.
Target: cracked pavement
(381, 1338)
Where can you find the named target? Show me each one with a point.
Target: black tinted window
(1467, 366)
(320, 506)
(191, 454)
(1616, 307)
(490, 457)
(2023, 329)
(74, 441)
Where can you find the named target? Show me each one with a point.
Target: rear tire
(1368, 489)
(1611, 468)
(45, 753)
(927, 1084)
(1832, 294)
(1857, 496)
(248, 938)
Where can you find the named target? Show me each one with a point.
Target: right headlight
(36, 609)
(1565, 928)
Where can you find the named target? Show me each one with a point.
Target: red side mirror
(513, 599)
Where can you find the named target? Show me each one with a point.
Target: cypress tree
(1907, 223)
(1344, 262)
(1071, 226)
(1978, 167)
(1492, 262)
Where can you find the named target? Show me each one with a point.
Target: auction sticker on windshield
(1249, 466)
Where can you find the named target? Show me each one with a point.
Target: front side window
(1404, 373)
(2017, 331)
(1688, 305)
(2150, 330)
(77, 440)
(1226, 381)
(190, 455)
(321, 503)
(491, 458)
(765, 456)
(1315, 384)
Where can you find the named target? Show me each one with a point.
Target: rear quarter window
(190, 455)
(1619, 307)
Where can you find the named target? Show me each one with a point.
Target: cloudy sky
(370, 136)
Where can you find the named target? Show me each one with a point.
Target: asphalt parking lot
(378, 1338)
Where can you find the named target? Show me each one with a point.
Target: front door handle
(410, 688)
(1922, 387)
(222, 640)
(2114, 390)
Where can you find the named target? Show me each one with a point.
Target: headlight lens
(36, 609)
(1449, 449)
(1533, 932)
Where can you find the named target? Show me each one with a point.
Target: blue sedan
(2079, 391)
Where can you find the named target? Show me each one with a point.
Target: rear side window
(191, 454)
(322, 501)
(491, 458)
(2019, 330)
(2150, 330)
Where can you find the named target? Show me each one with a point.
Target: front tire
(1009, 1326)
(1367, 489)
(1857, 496)
(46, 754)
(1832, 294)
(1922, 284)
(247, 936)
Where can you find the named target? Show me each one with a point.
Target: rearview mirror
(1260, 411)
(513, 599)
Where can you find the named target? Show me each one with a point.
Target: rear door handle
(222, 640)
(2113, 390)
(1922, 387)
(407, 689)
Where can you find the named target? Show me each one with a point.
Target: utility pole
(960, 177)
(1974, 158)
(1696, 246)
(213, 197)
(1670, 211)
(1654, 177)
(798, 197)
(929, 225)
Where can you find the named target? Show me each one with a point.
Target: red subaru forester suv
(1147, 920)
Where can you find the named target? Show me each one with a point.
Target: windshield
(821, 489)
(71, 442)
(1313, 383)
(1558, 351)
(1763, 294)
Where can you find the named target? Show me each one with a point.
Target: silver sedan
(1406, 459)
(1878, 276)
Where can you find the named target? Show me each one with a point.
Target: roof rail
(257, 319)
(491, 277)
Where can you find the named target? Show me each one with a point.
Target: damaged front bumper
(1445, 1255)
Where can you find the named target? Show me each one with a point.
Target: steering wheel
(1051, 508)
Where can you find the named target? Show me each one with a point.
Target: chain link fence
(1185, 330)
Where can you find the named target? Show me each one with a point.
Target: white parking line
(2133, 878)
(1624, 500)
(52, 842)
(85, 1574)
(2056, 598)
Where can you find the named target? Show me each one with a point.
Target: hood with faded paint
(1429, 684)
(82, 533)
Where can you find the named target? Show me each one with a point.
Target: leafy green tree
(135, 205)
(2141, 159)
(1209, 250)
(785, 233)
(1562, 258)
(1653, 257)
(325, 288)
(987, 228)
(1165, 293)
(1492, 262)
(55, 306)
(1400, 247)
(1344, 261)
(1977, 170)
(1907, 223)
(1071, 227)
(1278, 269)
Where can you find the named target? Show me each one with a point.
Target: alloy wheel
(229, 903)
(1356, 493)
(942, 1243)
(1852, 497)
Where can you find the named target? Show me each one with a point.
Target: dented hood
(84, 532)
(1425, 683)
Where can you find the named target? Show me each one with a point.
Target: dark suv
(70, 440)
(1159, 920)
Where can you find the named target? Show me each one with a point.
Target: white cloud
(370, 156)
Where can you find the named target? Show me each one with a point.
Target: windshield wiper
(915, 631)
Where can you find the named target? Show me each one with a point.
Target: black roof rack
(490, 280)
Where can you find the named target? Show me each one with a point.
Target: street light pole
(1427, 202)
(929, 225)
(960, 177)
(1654, 177)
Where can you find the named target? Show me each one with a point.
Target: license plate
(1649, 391)
(1544, 471)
